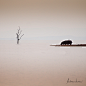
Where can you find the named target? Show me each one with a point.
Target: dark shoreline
(70, 45)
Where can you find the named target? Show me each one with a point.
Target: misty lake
(36, 63)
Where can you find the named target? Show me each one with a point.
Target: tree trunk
(17, 41)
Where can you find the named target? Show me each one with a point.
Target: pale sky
(41, 18)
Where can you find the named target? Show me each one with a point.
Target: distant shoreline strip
(70, 45)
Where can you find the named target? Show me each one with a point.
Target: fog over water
(36, 63)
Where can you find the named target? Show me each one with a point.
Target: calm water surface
(36, 63)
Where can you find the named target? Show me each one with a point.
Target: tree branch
(21, 36)
(20, 32)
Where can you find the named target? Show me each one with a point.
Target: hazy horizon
(48, 38)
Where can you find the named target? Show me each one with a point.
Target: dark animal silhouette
(66, 42)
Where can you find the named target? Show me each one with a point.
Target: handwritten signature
(69, 81)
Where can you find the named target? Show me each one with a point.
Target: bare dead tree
(18, 35)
